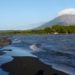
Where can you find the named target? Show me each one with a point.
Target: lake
(55, 50)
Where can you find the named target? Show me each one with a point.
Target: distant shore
(29, 66)
(54, 29)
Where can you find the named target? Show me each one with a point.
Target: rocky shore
(29, 66)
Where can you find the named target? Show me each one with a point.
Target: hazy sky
(24, 14)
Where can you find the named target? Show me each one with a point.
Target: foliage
(61, 29)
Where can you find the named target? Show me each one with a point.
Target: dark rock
(29, 66)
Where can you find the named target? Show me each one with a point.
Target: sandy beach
(29, 66)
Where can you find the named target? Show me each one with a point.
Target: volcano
(65, 17)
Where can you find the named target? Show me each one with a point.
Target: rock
(5, 41)
(29, 66)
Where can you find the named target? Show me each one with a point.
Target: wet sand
(29, 66)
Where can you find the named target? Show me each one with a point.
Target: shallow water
(7, 56)
(56, 50)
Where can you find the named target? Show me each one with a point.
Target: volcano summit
(65, 17)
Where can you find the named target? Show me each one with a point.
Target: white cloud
(69, 11)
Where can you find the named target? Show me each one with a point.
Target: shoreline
(29, 66)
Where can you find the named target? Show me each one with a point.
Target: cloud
(69, 11)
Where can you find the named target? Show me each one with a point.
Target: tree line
(61, 29)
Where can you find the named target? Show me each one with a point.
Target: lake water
(55, 50)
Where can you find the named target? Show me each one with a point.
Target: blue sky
(25, 14)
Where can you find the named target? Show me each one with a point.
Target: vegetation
(63, 29)
(49, 30)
